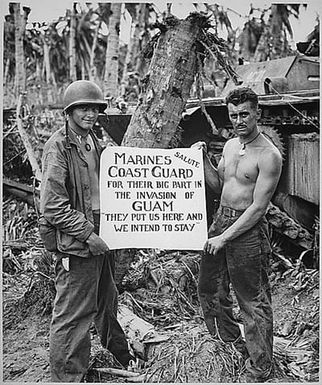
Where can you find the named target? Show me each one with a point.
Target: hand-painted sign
(153, 198)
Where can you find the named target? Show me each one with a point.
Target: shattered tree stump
(140, 333)
(166, 86)
(178, 54)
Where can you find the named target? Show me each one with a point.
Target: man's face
(84, 116)
(243, 118)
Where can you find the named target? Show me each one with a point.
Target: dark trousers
(243, 264)
(85, 294)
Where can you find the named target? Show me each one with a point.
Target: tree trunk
(92, 68)
(143, 40)
(49, 76)
(167, 86)
(133, 61)
(26, 141)
(272, 43)
(6, 71)
(72, 45)
(46, 61)
(125, 76)
(20, 25)
(38, 70)
(128, 58)
(276, 25)
(139, 28)
(112, 52)
(83, 71)
(263, 48)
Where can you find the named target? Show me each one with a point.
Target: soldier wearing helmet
(69, 203)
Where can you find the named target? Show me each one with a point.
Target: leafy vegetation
(47, 46)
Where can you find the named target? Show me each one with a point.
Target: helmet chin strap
(68, 127)
(66, 132)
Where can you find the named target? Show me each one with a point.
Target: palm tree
(9, 47)
(20, 27)
(280, 26)
(249, 38)
(33, 48)
(139, 14)
(58, 44)
(111, 63)
(262, 40)
(92, 67)
(87, 24)
(72, 44)
(180, 49)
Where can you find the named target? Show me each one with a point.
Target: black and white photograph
(160, 192)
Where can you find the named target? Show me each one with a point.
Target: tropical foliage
(267, 37)
(76, 45)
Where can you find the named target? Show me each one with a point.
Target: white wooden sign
(153, 198)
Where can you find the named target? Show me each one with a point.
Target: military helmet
(83, 92)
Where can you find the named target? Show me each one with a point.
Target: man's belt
(229, 212)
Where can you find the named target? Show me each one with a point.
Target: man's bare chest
(242, 168)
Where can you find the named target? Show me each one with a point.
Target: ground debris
(296, 324)
(296, 358)
(192, 355)
(160, 288)
(28, 274)
(117, 372)
(168, 290)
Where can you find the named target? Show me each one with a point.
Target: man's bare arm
(212, 176)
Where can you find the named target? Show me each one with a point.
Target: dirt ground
(296, 335)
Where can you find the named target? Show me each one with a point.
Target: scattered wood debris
(287, 226)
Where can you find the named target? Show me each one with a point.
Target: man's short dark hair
(242, 95)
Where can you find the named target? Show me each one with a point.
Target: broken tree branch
(21, 191)
(116, 372)
(26, 141)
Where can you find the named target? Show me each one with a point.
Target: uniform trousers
(85, 294)
(242, 264)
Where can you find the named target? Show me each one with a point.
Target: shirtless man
(238, 247)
